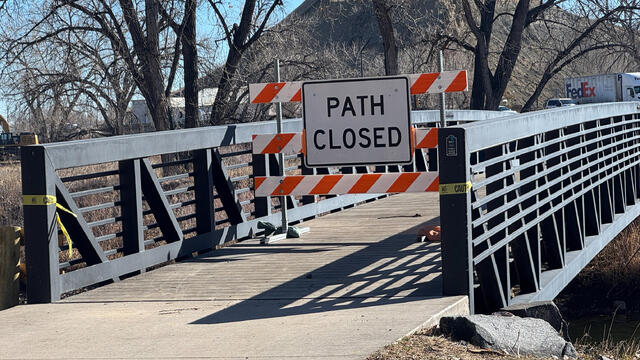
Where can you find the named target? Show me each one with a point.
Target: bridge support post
(308, 199)
(203, 182)
(455, 214)
(131, 198)
(261, 168)
(40, 227)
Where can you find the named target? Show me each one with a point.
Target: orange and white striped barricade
(428, 83)
(340, 184)
(292, 143)
(377, 183)
(285, 143)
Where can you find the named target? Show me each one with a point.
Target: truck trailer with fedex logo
(603, 88)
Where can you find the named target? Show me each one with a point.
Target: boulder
(510, 334)
(545, 310)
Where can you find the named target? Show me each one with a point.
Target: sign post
(443, 121)
(357, 122)
(283, 199)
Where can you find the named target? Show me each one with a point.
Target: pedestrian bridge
(528, 201)
(353, 284)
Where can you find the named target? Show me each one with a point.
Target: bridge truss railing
(142, 200)
(533, 198)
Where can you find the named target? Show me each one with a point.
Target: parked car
(559, 102)
(505, 109)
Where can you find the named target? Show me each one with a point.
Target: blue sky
(292, 4)
(236, 5)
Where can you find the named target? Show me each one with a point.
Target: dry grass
(614, 274)
(428, 345)
(618, 265)
(622, 350)
(11, 194)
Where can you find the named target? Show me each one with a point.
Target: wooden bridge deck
(356, 282)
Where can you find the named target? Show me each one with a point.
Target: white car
(506, 110)
(559, 102)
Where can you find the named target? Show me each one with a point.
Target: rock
(511, 334)
(545, 310)
(502, 313)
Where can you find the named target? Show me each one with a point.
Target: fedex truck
(603, 88)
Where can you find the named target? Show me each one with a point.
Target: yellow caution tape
(38, 199)
(455, 188)
(65, 233)
(45, 200)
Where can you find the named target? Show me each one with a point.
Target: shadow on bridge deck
(393, 269)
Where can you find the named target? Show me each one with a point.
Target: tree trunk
(509, 55)
(158, 109)
(220, 106)
(190, 61)
(388, 37)
(477, 88)
(482, 87)
(147, 49)
(536, 93)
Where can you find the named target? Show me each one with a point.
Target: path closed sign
(357, 122)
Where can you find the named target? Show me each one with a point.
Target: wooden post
(9, 266)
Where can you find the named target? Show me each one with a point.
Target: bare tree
(499, 30)
(145, 36)
(132, 33)
(385, 24)
(588, 27)
(190, 61)
(83, 64)
(186, 39)
(45, 100)
(489, 86)
(239, 38)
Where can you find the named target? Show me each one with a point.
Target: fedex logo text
(583, 91)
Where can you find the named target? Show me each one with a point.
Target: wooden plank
(343, 255)
(9, 266)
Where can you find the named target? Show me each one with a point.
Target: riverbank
(602, 304)
(429, 345)
(610, 282)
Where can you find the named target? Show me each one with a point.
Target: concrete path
(357, 282)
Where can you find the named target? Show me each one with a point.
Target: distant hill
(346, 21)
(352, 22)
(324, 39)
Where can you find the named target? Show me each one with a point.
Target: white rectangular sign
(357, 122)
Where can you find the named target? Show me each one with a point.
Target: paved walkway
(356, 282)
